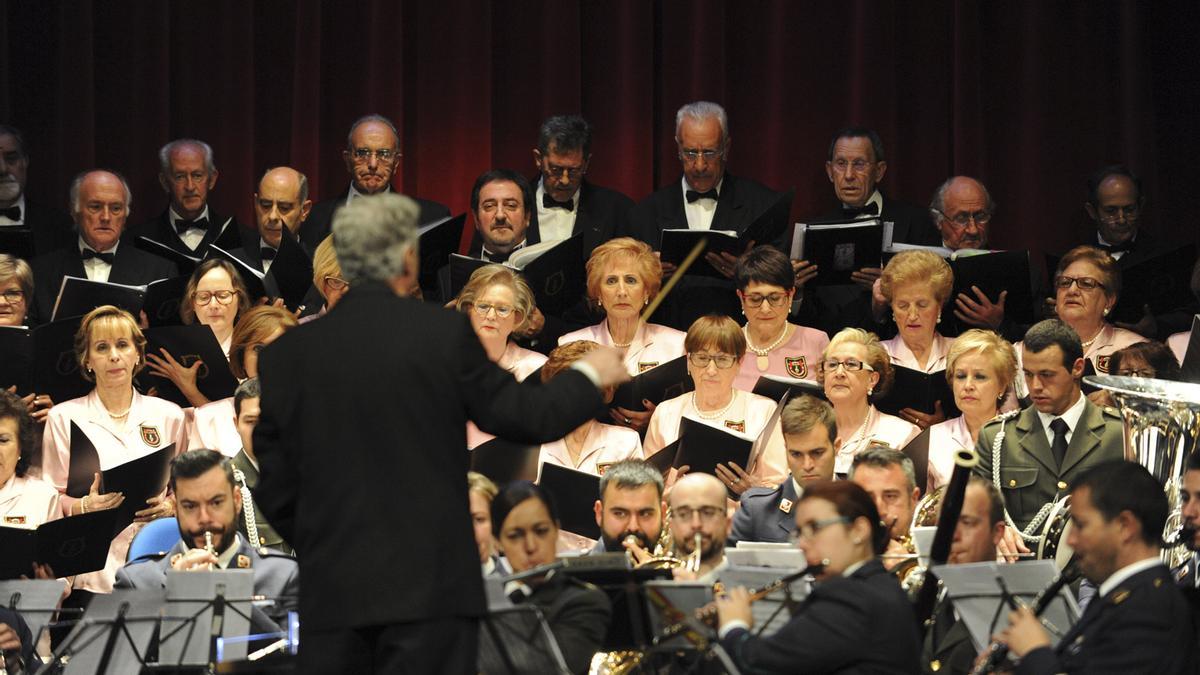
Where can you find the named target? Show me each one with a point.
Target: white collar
(355, 193)
(226, 557)
(876, 199)
(1071, 416)
(541, 190)
(20, 204)
(852, 568)
(687, 186)
(485, 254)
(1125, 572)
(84, 245)
(1104, 242)
(796, 486)
(175, 217)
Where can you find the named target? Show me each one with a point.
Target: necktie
(871, 209)
(267, 253)
(692, 195)
(549, 202)
(1059, 446)
(182, 225)
(13, 213)
(88, 254)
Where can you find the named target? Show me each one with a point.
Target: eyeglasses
(857, 166)
(364, 154)
(336, 283)
(502, 311)
(12, 296)
(1111, 214)
(205, 297)
(708, 155)
(701, 360)
(572, 172)
(810, 529)
(96, 208)
(965, 218)
(756, 299)
(707, 513)
(1084, 283)
(851, 365)
(1135, 372)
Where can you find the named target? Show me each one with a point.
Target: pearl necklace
(762, 361)
(713, 415)
(862, 429)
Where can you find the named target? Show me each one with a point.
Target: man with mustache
(188, 174)
(500, 202)
(281, 203)
(49, 228)
(207, 501)
(630, 503)
(698, 505)
(1189, 496)
(371, 157)
(100, 203)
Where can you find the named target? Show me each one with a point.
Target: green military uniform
(1029, 475)
(267, 536)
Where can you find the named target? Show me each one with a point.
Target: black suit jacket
(160, 229)
(578, 615)
(17, 623)
(320, 219)
(362, 451)
(1143, 625)
(911, 224)
(132, 267)
(857, 624)
(52, 229)
(948, 647)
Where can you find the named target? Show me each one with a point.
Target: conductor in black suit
(188, 174)
(372, 154)
(345, 442)
(707, 197)
(49, 227)
(100, 203)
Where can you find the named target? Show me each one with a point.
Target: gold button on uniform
(935, 665)
(1062, 485)
(1012, 482)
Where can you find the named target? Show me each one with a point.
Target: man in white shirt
(1139, 622)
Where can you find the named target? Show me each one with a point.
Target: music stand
(782, 556)
(671, 607)
(36, 600)
(516, 639)
(201, 607)
(981, 601)
(630, 625)
(769, 613)
(113, 637)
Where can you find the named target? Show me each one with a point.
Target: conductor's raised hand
(608, 365)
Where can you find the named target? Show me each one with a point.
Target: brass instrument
(208, 546)
(1162, 426)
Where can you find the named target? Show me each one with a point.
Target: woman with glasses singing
(327, 277)
(715, 346)
(16, 288)
(765, 286)
(855, 367)
(1087, 284)
(215, 297)
(855, 619)
(212, 425)
(623, 276)
(122, 424)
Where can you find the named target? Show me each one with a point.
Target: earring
(856, 540)
(939, 319)
(870, 390)
(1106, 311)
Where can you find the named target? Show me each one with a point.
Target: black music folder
(437, 241)
(188, 344)
(74, 545)
(767, 229)
(1163, 282)
(839, 248)
(16, 368)
(992, 273)
(702, 447)
(138, 479)
(17, 241)
(78, 296)
(770, 228)
(42, 360)
(504, 461)
(1190, 367)
(664, 381)
(162, 301)
(776, 387)
(186, 263)
(664, 459)
(292, 271)
(918, 451)
(258, 285)
(917, 390)
(575, 493)
(553, 269)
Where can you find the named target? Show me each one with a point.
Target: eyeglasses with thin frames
(851, 365)
(361, 155)
(701, 360)
(810, 529)
(222, 297)
(482, 309)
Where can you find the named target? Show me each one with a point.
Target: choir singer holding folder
(395, 412)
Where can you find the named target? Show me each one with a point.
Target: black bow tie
(267, 253)
(495, 257)
(182, 225)
(871, 209)
(13, 213)
(549, 202)
(1129, 245)
(88, 253)
(692, 195)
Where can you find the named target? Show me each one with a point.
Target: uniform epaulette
(1002, 418)
(762, 491)
(148, 557)
(264, 552)
(1111, 411)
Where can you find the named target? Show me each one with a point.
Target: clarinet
(997, 652)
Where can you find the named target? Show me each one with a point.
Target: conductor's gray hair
(373, 234)
(700, 111)
(73, 195)
(164, 154)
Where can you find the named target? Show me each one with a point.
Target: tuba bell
(1162, 425)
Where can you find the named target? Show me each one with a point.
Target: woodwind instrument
(997, 652)
(939, 551)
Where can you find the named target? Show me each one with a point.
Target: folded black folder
(702, 447)
(839, 248)
(767, 229)
(917, 390)
(504, 461)
(664, 381)
(292, 272)
(42, 360)
(162, 301)
(186, 263)
(258, 285)
(553, 270)
(74, 545)
(918, 451)
(16, 368)
(775, 387)
(995, 272)
(187, 344)
(437, 241)
(664, 459)
(138, 479)
(575, 494)
(1191, 358)
(770, 227)
(17, 241)
(78, 296)
(1163, 282)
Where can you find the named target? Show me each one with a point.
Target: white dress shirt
(5, 220)
(555, 224)
(1125, 572)
(95, 268)
(192, 236)
(1071, 417)
(700, 212)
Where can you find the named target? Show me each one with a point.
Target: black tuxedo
(320, 219)
(911, 224)
(132, 267)
(348, 444)
(1143, 625)
(857, 624)
(161, 230)
(578, 615)
(51, 228)
(740, 203)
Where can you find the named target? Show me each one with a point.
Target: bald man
(961, 210)
(280, 204)
(100, 204)
(372, 156)
(698, 505)
(188, 173)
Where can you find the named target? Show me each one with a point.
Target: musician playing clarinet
(856, 619)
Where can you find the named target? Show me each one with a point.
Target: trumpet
(208, 546)
(666, 561)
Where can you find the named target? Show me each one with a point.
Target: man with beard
(49, 228)
(630, 503)
(281, 203)
(1189, 496)
(698, 506)
(500, 201)
(889, 477)
(207, 501)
